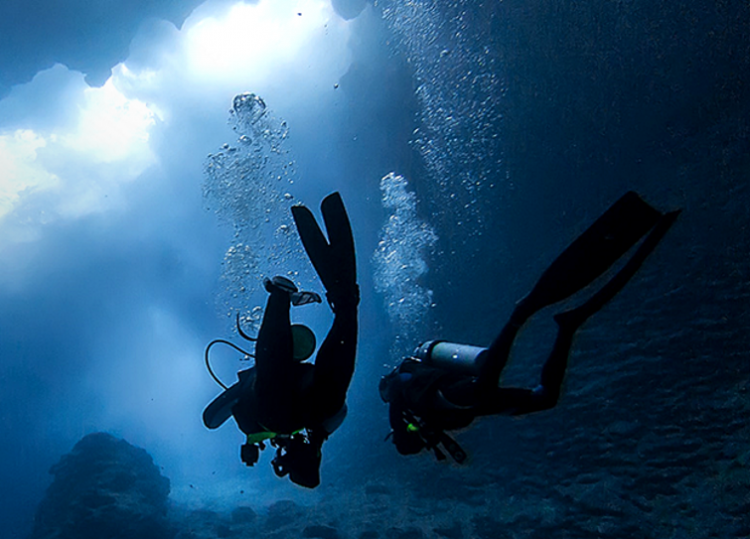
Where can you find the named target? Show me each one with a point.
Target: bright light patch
(111, 127)
(260, 40)
(288, 51)
(19, 172)
(72, 164)
(66, 151)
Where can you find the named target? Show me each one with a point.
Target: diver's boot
(297, 297)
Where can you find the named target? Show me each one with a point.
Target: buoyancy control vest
(413, 390)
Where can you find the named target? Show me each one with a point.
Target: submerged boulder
(105, 487)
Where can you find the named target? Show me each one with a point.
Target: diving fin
(220, 408)
(575, 317)
(334, 262)
(593, 252)
(315, 243)
(340, 234)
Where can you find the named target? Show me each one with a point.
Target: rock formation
(104, 487)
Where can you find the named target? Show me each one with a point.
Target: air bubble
(241, 183)
(400, 259)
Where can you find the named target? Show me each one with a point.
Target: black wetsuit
(426, 400)
(289, 395)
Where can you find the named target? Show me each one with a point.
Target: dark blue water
(509, 127)
(532, 118)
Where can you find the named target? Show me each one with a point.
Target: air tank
(459, 358)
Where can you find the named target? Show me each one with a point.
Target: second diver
(445, 386)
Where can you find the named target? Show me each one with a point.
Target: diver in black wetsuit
(296, 405)
(434, 392)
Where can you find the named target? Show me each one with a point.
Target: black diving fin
(593, 252)
(220, 408)
(578, 315)
(334, 261)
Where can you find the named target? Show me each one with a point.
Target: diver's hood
(303, 342)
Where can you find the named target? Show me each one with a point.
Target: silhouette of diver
(446, 386)
(295, 405)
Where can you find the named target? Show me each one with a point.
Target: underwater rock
(200, 524)
(282, 514)
(104, 487)
(488, 528)
(240, 522)
(407, 533)
(321, 532)
(454, 532)
(377, 489)
(243, 515)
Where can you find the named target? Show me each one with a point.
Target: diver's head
(390, 384)
(303, 340)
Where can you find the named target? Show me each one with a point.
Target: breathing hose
(222, 341)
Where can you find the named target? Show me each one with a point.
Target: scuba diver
(445, 386)
(282, 400)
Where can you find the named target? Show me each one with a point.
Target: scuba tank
(458, 358)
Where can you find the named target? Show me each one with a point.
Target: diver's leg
(547, 393)
(518, 401)
(590, 255)
(334, 363)
(499, 352)
(274, 351)
(335, 264)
